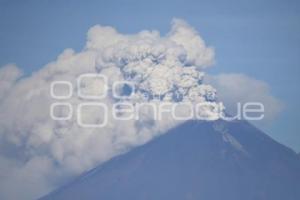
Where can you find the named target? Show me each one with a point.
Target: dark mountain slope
(197, 160)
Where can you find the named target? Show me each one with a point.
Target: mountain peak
(196, 160)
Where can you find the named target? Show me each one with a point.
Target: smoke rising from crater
(44, 152)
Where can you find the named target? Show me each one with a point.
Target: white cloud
(42, 151)
(8, 76)
(197, 52)
(233, 88)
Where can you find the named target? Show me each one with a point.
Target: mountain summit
(196, 160)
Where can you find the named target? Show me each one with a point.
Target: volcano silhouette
(195, 161)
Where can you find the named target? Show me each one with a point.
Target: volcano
(198, 160)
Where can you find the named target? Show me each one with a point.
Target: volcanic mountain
(197, 160)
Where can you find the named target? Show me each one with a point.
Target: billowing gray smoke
(40, 152)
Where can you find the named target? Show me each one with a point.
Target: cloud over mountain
(42, 152)
(233, 88)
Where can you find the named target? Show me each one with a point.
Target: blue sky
(257, 38)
